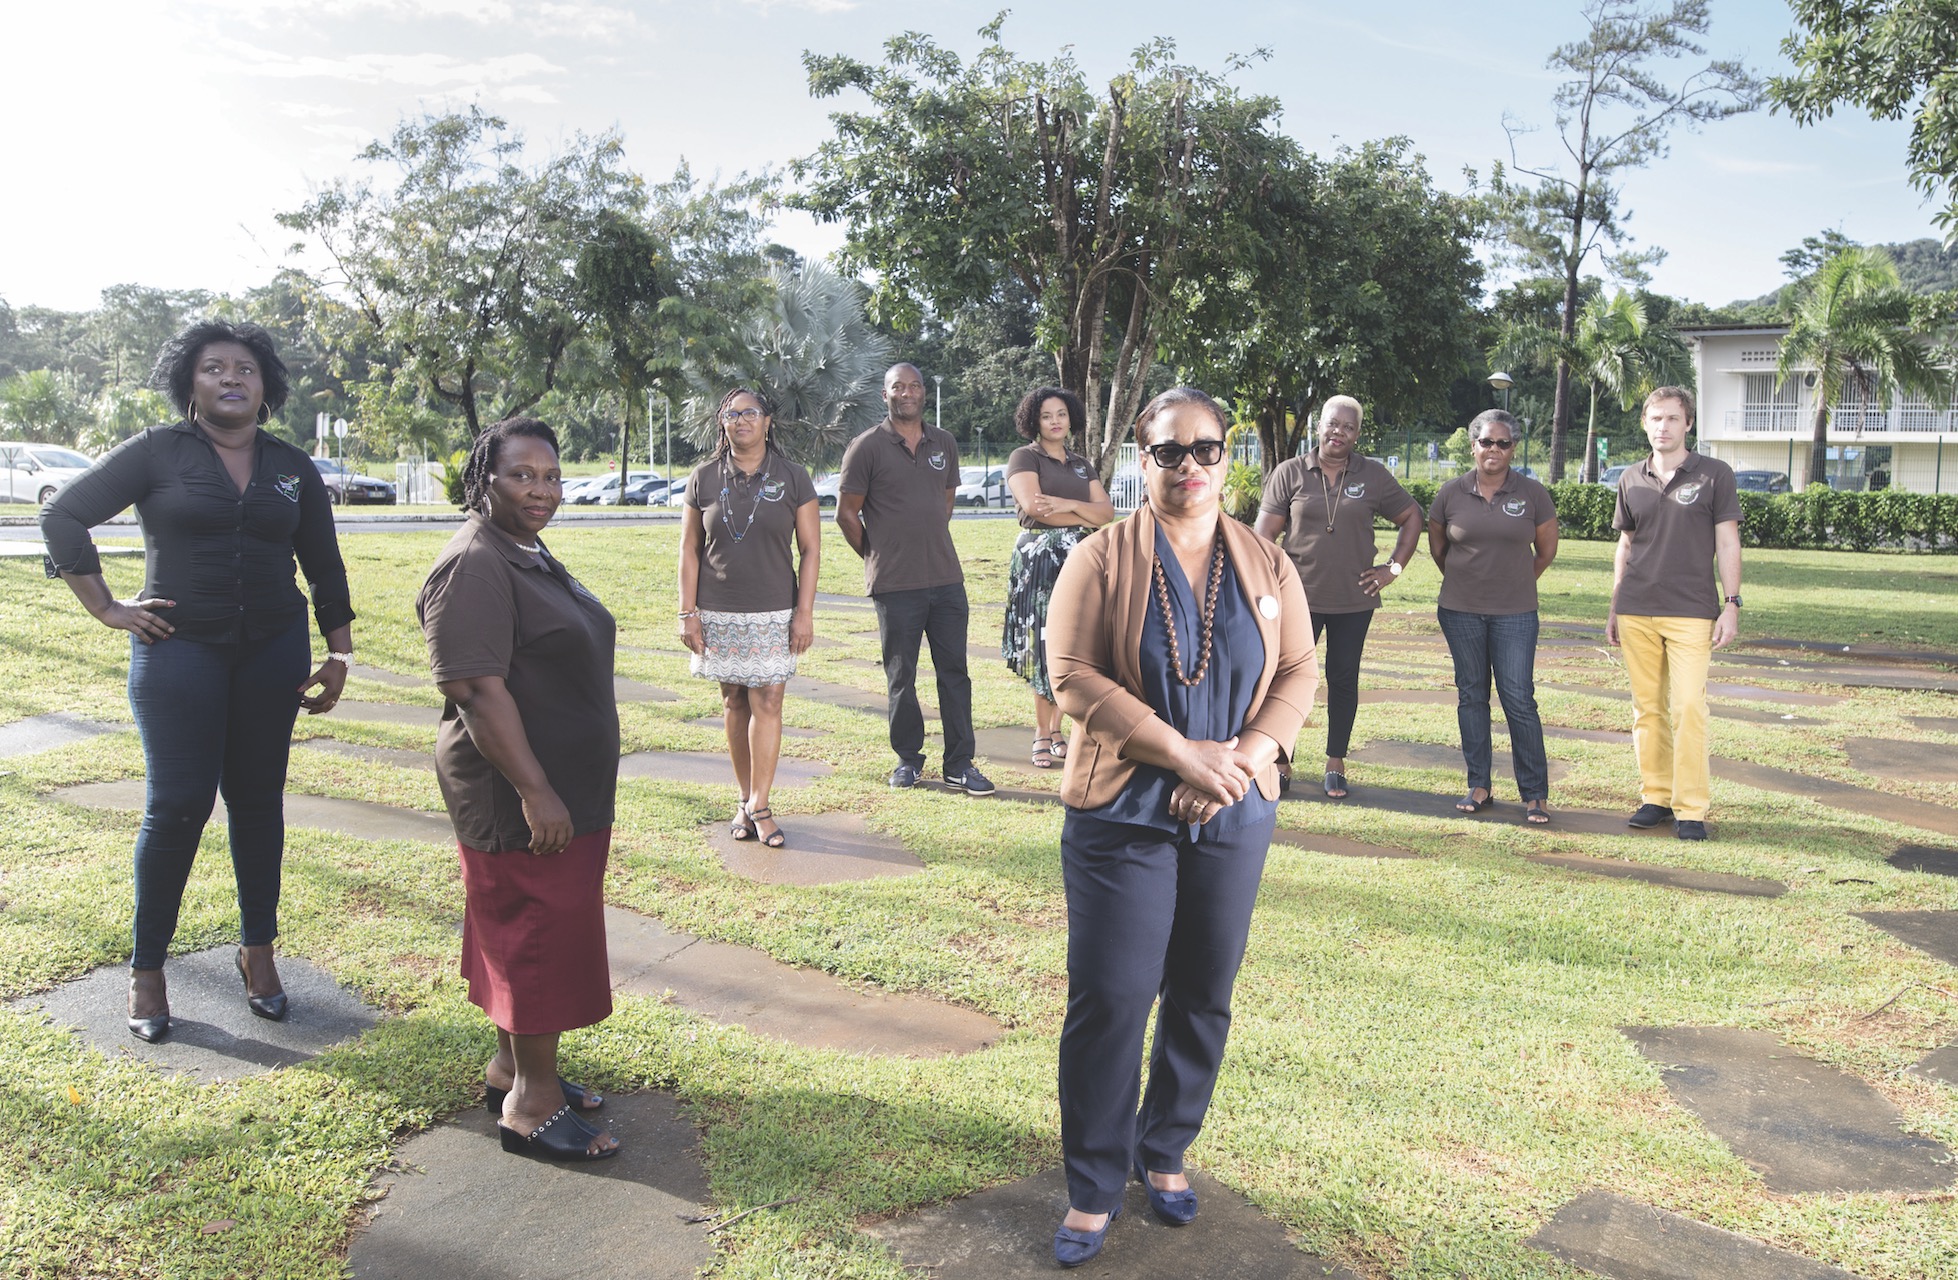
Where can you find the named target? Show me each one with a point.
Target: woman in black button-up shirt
(218, 652)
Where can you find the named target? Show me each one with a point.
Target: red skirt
(533, 936)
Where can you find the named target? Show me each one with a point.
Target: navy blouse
(1213, 710)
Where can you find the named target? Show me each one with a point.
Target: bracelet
(690, 613)
(344, 659)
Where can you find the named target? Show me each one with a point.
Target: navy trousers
(937, 615)
(1150, 915)
(213, 717)
(1502, 645)
(1339, 657)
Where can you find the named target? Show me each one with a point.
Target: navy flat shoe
(1175, 1208)
(576, 1096)
(1072, 1248)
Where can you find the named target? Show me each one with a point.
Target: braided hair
(724, 447)
(476, 472)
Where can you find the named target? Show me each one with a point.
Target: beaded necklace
(761, 480)
(1208, 615)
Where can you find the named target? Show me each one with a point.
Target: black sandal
(775, 841)
(1537, 813)
(1043, 753)
(743, 825)
(576, 1096)
(1469, 804)
(563, 1137)
(1336, 781)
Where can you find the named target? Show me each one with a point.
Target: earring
(190, 413)
(264, 413)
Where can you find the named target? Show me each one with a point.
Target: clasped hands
(1214, 775)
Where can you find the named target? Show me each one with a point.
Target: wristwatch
(1734, 601)
(1394, 566)
(344, 659)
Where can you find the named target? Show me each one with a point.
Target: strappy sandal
(775, 841)
(743, 825)
(1537, 814)
(1043, 753)
(1059, 747)
(1469, 804)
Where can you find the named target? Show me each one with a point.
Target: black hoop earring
(264, 413)
(190, 413)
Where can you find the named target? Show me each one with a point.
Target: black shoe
(1648, 816)
(1072, 1248)
(970, 781)
(1174, 1208)
(150, 1030)
(272, 1008)
(1688, 829)
(907, 775)
(576, 1096)
(563, 1137)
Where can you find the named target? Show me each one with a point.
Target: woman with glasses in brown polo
(1492, 533)
(747, 610)
(1181, 644)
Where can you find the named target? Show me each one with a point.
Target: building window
(1767, 407)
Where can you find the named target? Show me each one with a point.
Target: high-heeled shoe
(150, 1030)
(273, 1007)
(1072, 1248)
(1174, 1208)
(563, 1137)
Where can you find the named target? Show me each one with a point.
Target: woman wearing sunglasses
(747, 611)
(1181, 643)
(1492, 532)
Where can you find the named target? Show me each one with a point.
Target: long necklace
(727, 506)
(1332, 496)
(1208, 616)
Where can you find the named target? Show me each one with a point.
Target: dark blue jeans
(1503, 645)
(937, 615)
(1339, 658)
(213, 717)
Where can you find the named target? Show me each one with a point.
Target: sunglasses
(732, 416)
(1487, 443)
(1208, 453)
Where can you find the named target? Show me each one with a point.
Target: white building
(1753, 424)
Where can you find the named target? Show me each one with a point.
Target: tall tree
(1888, 57)
(1853, 327)
(1097, 200)
(43, 405)
(1615, 112)
(463, 266)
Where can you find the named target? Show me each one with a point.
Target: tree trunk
(1588, 472)
(625, 439)
(1818, 449)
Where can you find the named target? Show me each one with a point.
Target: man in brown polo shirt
(1678, 519)
(894, 506)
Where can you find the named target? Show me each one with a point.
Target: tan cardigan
(1094, 650)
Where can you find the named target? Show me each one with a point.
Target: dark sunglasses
(1487, 443)
(1208, 453)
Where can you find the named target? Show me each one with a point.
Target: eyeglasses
(733, 416)
(1208, 453)
(1487, 443)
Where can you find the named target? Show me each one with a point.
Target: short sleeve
(1281, 488)
(952, 467)
(1021, 460)
(1546, 505)
(469, 620)
(855, 478)
(1394, 499)
(1621, 514)
(696, 486)
(802, 490)
(1726, 497)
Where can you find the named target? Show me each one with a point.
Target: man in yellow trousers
(1678, 519)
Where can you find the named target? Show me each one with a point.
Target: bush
(452, 476)
(1244, 487)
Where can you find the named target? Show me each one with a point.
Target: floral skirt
(749, 649)
(1037, 560)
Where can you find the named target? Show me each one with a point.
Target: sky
(152, 141)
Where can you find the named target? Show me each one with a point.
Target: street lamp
(938, 400)
(1501, 382)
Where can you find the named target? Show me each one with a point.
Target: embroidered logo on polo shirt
(1081, 469)
(1356, 491)
(937, 461)
(1515, 507)
(1687, 493)
(773, 491)
(288, 487)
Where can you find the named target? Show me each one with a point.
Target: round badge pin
(1268, 606)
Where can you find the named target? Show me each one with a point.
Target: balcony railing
(1898, 420)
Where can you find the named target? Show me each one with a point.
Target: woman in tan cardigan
(1181, 644)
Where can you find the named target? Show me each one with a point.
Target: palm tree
(1851, 326)
(813, 351)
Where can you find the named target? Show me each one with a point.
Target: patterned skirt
(749, 649)
(1037, 560)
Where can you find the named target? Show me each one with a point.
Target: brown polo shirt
(1071, 477)
(747, 564)
(1669, 569)
(490, 608)
(907, 527)
(1330, 564)
(1491, 562)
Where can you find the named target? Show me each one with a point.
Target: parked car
(827, 488)
(676, 493)
(602, 485)
(979, 487)
(572, 488)
(639, 493)
(350, 487)
(1762, 481)
(36, 472)
(1610, 474)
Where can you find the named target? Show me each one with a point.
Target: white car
(605, 490)
(980, 487)
(36, 472)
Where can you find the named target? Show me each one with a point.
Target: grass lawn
(1425, 1061)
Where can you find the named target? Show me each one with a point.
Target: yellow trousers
(1667, 659)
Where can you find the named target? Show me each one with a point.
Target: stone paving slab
(1433, 804)
(1744, 714)
(35, 550)
(323, 813)
(1339, 846)
(389, 713)
(788, 730)
(1918, 857)
(457, 1206)
(822, 848)
(1012, 748)
(1402, 697)
(1877, 804)
(832, 600)
(1622, 1239)
(1430, 755)
(1007, 1233)
(56, 729)
(843, 695)
(1806, 1127)
(626, 689)
(1939, 1064)
(212, 1032)
(739, 986)
(1933, 724)
(1676, 877)
(1787, 697)
(393, 680)
(1912, 761)
(399, 757)
(1933, 932)
(1025, 795)
(712, 768)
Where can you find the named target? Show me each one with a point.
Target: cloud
(581, 19)
(822, 8)
(1756, 168)
(310, 110)
(439, 71)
